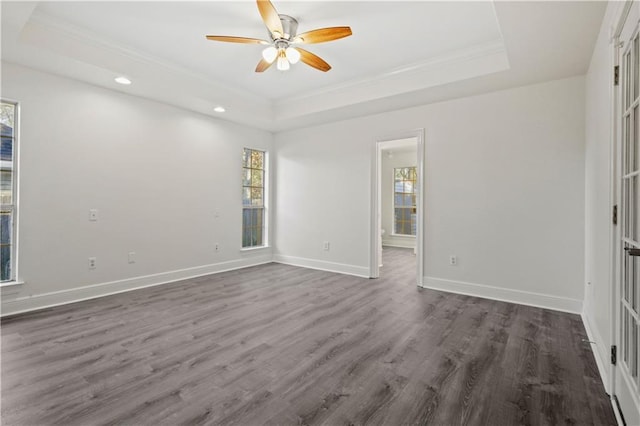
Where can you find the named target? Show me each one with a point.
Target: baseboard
(322, 265)
(600, 351)
(401, 244)
(627, 399)
(616, 411)
(538, 300)
(63, 297)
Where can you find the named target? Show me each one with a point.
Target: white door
(627, 384)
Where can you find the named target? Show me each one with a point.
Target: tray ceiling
(399, 54)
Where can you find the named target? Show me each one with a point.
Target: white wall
(398, 159)
(319, 196)
(156, 173)
(504, 192)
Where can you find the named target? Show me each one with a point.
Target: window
(404, 200)
(253, 196)
(8, 120)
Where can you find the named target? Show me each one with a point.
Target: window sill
(254, 248)
(11, 287)
(402, 236)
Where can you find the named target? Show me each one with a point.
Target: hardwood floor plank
(281, 345)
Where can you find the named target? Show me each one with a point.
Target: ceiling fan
(282, 48)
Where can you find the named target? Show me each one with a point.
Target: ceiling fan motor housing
(289, 27)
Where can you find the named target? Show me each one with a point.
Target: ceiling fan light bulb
(283, 64)
(269, 54)
(292, 55)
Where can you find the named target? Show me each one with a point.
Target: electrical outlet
(92, 263)
(217, 247)
(93, 215)
(325, 246)
(216, 213)
(453, 260)
(132, 257)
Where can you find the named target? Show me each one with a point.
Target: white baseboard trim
(399, 244)
(617, 413)
(322, 265)
(538, 300)
(600, 351)
(628, 400)
(63, 297)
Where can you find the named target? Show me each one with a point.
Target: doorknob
(632, 251)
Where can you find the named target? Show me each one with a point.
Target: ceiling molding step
(48, 24)
(463, 64)
(49, 46)
(484, 49)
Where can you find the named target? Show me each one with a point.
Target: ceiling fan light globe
(283, 64)
(269, 54)
(292, 55)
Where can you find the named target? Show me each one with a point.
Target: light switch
(93, 215)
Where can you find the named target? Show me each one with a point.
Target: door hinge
(614, 215)
(614, 354)
(616, 75)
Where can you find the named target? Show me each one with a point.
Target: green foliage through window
(253, 212)
(404, 200)
(7, 191)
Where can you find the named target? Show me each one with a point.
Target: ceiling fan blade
(312, 60)
(271, 18)
(263, 65)
(232, 39)
(323, 34)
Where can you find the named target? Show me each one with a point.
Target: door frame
(616, 153)
(374, 237)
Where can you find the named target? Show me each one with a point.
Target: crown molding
(81, 35)
(475, 61)
(466, 54)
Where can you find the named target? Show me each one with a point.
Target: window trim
(393, 202)
(13, 280)
(264, 206)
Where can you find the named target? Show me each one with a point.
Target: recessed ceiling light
(123, 80)
(219, 109)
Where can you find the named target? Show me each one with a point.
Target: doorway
(397, 196)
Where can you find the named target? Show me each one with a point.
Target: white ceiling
(401, 53)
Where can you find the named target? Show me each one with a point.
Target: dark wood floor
(277, 344)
